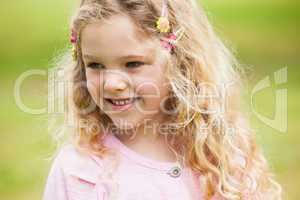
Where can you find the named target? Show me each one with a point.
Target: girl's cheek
(148, 90)
(155, 93)
(93, 86)
(153, 89)
(151, 96)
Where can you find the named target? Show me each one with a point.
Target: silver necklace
(176, 171)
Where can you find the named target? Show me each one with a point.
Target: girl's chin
(124, 124)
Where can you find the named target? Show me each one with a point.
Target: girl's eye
(95, 66)
(134, 64)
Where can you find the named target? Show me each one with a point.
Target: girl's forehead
(117, 35)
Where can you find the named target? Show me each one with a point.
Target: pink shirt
(74, 176)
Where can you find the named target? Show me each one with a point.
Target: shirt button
(175, 172)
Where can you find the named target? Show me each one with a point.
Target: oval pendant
(175, 172)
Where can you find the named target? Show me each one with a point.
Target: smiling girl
(155, 105)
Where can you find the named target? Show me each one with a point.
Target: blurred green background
(265, 35)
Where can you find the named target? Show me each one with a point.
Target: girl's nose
(114, 83)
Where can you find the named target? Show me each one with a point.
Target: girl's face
(121, 64)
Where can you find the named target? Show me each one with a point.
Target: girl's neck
(148, 142)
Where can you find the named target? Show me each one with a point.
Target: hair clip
(74, 53)
(170, 41)
(73, 37)
(163, 24)
(73, 40)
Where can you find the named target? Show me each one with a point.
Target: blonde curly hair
(217, 145)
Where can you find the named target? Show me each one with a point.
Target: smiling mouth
(122, 102)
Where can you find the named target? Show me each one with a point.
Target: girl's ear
(170, 104)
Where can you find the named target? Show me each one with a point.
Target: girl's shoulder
(74, 175)
(81, 165)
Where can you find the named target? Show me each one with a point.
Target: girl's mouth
(122, 104)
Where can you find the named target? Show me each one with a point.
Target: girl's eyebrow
(91, 57)
(147, 54)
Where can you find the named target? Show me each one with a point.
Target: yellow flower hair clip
(163, 24)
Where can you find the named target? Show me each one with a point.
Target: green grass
(265, 35)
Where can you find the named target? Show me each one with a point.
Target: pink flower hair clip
(169, 42)
(73, 37)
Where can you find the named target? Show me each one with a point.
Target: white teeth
(121, 102)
